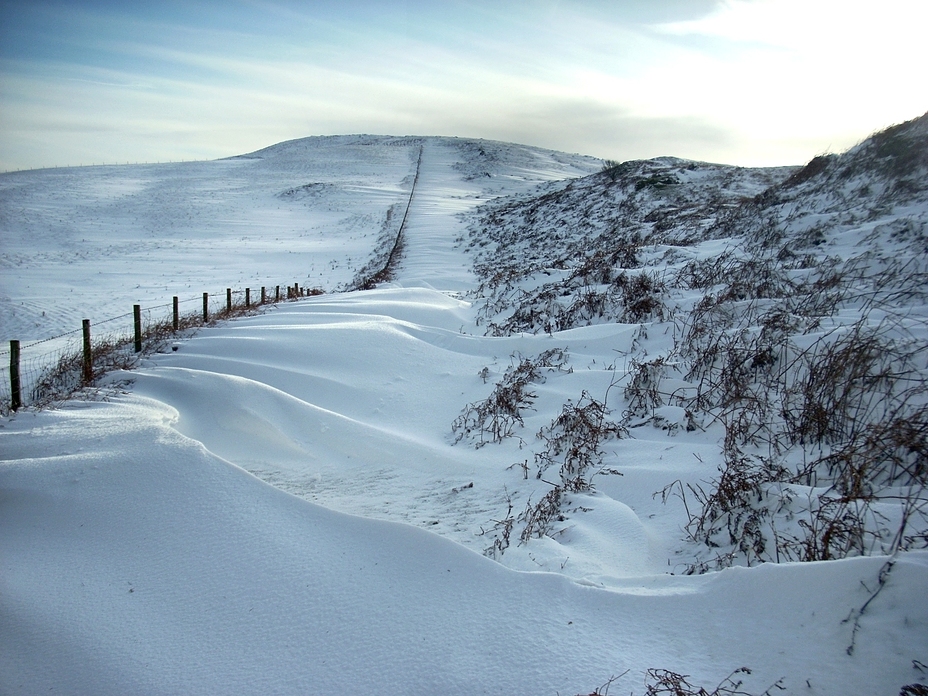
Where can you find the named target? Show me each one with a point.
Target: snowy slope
(135, 561)
(183, 528)
(89, 242)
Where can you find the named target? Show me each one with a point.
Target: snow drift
(282, 503)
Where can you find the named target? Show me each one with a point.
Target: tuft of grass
(573, 443)
(665, 682)
(495, 418)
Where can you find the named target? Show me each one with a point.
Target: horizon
(741, 82)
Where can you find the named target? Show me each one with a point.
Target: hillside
(789, 312)
(657, 421)
(89, 242)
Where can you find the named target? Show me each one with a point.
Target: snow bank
(135, 561)
(279, 505)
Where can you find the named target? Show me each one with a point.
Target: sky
(746, 82)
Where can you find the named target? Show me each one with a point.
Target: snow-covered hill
(88, 243)
(508, 469)
(787, 313)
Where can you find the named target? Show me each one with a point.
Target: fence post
(247, 298)
(277, 295)
(88, 355)
(228, 300)
(205, 307)
(137, 320)
(176, 322)
(16, 395)
(296, 289)
(263, 295)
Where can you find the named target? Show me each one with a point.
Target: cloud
(659, 11)
(600, 129)
(759, 82)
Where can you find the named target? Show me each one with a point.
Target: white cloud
(759, 82)
(801, 67)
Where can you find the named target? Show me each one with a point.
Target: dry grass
(496, 417)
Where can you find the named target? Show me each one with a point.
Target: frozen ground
(88, 243)
(280, 506)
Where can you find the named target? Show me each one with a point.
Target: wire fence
(52, 369)
(46, 371)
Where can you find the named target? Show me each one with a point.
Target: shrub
(496, 417)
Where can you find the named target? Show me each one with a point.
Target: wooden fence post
(176, 322)
(296, 289)
(263, 295)
(277, 295)
(87, 372)
(247, 298)
(228, 300)
(137, 320)
(16, 395)
(205, 307)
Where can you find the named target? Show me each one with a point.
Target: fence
(52, 369)
(49, 370)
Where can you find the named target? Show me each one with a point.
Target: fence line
(76, 359)
(385, 272)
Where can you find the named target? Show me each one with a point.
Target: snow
(279, 505)
(136, 560)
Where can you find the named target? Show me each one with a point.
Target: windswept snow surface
(89, 242)
(279, 506)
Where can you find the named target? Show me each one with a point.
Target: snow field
(279, 505)
(139, 557)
